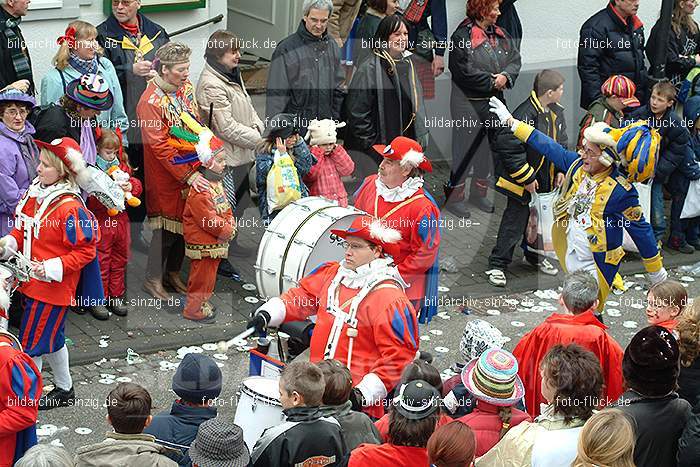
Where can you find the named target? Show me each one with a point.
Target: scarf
(401, 192)
(232, 75)
(105, 165)
(131, 29)
(41, 192)
(15, 45)
(84, 67)
(87, 142)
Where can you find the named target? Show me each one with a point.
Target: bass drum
(298, 240)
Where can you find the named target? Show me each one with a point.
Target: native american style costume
(412, 211)
(20, 388)
(363, 317)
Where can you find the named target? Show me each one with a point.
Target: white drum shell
(258, 408)
(298, 240)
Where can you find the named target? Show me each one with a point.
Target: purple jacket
(19, 157)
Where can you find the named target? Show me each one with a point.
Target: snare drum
(258, 408)
(298, 240)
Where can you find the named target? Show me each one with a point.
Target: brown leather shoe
(154, 287)
(173, 280)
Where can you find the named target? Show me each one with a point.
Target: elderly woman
(80, 54)
(19, 155)
(385, 98)
(221, 91)
(572, 384)
(484, 62)
(162, 104)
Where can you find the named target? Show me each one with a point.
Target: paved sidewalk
(153, 325)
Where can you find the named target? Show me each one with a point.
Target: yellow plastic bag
(283, 185)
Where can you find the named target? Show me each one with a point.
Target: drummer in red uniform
(397, 197)
(363, 317)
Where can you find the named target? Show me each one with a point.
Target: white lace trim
(368, 273)
(399, 193)
(40, 192)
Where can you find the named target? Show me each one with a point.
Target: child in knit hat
(333, 162)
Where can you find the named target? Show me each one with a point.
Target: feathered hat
(374, 231)
(198, 145)
(407, 151)
(71, 155)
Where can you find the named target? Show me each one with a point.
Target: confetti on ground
(219, 364)
(165, 365)
(511, 302)
(425, 338)
(57, 443)
(210, 347)
(638, 288)
(639, 276)
(537, 309)
(106, 381)
(443, 289)
(547, 294)
(249, 287)
(442, 349)
(252, 299)
(630, 324)
(83, 431)
(435, 332)
(443, 315)
(123, 379)
(46, 430)
(493, 312)
(613, 303)
(220, 356)
(104, 337)
(132, 357)
(103, 343)
(637, 305)
(517, 324)
(613, 312)
(527, 303)
(107, 376)
(687, 279)
(617, 291)
(100, 362)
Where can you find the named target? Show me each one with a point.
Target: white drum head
(266, 387)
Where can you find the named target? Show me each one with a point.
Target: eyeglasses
(354, 246)
(126, 3)
(12, 113)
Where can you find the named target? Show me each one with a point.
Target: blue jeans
(658, 218)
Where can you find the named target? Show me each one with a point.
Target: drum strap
(396, 208)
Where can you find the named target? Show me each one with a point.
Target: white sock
(59, 366)
(38, 362)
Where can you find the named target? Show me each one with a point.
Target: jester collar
(401, 192)
(368, 273)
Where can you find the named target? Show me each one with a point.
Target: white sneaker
(544, 266)
(496, 277)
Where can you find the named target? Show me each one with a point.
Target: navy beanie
(197, 379)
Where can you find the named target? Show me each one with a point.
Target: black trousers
(470, 131)
(166, 253)
(511, 233)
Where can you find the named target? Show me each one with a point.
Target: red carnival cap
(406, 151)
(374, 231)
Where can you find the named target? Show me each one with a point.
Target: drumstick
(238, 340)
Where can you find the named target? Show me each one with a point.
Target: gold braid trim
(206, 251)
(160, 222)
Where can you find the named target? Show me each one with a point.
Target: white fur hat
(323, 132)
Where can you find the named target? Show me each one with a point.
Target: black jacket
(357, 428)
(54, 122)
(177, 428)
(110, 36)
(689, 443)
(372, 110)
(689, 383)
(658, 423)
(306, 438)
(674, 140)
(517, 163)
(510, 21)
(7, 70)
(305, 78)
(684, 43)
(609, 46)
(474, 59)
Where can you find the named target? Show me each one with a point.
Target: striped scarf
(20, 60)
(84, 67)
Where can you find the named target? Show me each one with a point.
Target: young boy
(521, 171)
(208, 226)
(129, 412)
(357, 428)
(307, 437)
(674, 141)
(618, 94)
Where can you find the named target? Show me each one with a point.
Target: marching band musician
(20, 388)
(396, 196)
(54, 230)
(363, 317)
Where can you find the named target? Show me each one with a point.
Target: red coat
(382, 425)
(486, 424)
(387, 338)
(208, 223)
(324, 177)
(584, 330)
(388, 455)
(20, 389)
(167, 187)
(418, 222)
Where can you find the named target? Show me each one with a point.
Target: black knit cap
(282, 125)
(652, 362)
(197, 379)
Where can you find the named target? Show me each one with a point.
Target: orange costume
(583, 329)
(209, 225)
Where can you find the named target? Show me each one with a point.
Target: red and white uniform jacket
(413, 212)
(384, 323)
(53, 226)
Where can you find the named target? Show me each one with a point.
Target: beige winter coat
(118, 450)
(235, 120)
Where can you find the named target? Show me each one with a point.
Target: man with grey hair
(305, 77)
(45, 455)
(14, 54)
(576, 324)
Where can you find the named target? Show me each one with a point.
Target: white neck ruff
(399, 193)
(40, 192)
(369, 272)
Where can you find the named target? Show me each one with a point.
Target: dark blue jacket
(691, 165)
(178, 428)
(674, 140)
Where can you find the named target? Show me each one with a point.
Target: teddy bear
(119, 176)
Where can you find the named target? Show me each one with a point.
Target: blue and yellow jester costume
(613, 203)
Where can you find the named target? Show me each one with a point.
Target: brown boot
(477, 195)
(154, 287)
(172, 280)
(454, 200)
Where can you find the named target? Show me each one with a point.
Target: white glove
(277, 310)
(499, 108)
(658, 276)
(8, 246)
